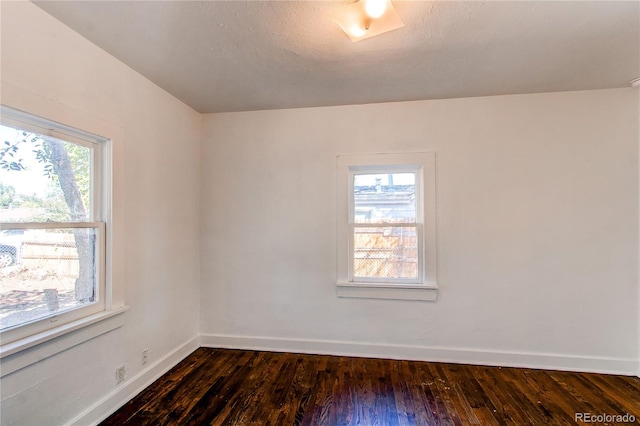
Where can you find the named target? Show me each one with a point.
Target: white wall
(537, 219)
(51, 71)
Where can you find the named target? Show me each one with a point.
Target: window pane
(385, 252)
(384, 198)
(44, 272)
(43, 179)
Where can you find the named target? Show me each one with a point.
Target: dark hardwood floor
(234, 387)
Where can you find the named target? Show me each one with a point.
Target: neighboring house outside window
(386, 226)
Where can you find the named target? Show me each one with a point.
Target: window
(386, 226)
(52, 225)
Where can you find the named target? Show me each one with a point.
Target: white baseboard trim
(130, 388)
(628, 367)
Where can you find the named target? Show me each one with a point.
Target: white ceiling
(249, 55)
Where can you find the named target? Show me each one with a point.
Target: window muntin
(53, 176)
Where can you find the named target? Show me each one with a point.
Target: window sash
(29, 328)
(419, 258)
(26, 122)
(418, 224)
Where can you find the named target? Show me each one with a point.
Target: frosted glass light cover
(358, 25)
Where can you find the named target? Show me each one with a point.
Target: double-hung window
(52, 225)
(386, 226)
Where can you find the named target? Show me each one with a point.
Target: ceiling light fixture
(367, 18)
(375, 8)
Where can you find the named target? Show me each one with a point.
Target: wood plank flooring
(235, 387)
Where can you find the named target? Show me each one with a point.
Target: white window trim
(425, 288)
(25, 351)
(29, 350)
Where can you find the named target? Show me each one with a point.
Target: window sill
(24, 352)
(428, 293)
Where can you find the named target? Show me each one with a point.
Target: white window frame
(424, 287)
(22, 345)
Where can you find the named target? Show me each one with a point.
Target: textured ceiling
(249, 55)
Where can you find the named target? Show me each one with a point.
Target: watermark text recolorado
(604, 418)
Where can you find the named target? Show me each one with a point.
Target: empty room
(371, 212)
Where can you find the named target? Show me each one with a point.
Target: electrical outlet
(145, 356)
(120, 374)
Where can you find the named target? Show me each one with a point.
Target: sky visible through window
(383, 179)
(32, 180)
